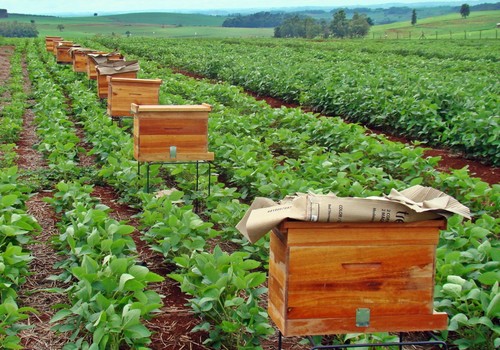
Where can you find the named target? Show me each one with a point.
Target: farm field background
(480, 24)
(445, 88)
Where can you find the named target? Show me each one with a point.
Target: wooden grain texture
(61, 43)
(63, 55)
(122, 92)
(396, 323)
(49, 42)
(80, 61)
(158, 128)
(321, 273)
(102, 82)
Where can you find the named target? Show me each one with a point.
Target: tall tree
(339, 25)
(358, 26)
(465, 10)
(414, 17)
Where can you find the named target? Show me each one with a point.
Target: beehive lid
(102, 57)
(75, 49)
(135, 108)
(116, 67)
(134, 80)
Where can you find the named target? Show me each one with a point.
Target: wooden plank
(177, 126)
(391, 236)
(343, 304)
(349, 264)
(395, 323)
(277, 282)
(277, 317)
(170, 108)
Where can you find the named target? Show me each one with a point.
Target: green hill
(169, 25)
(480, 24)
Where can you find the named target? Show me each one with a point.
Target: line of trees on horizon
(339, 27)
(18, 30)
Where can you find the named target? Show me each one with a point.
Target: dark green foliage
(414, 17)
(256, 20)
(340, 27)
(18, 30)
(465, 10)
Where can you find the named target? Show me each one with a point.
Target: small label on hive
(362, 317)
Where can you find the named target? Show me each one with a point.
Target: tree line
(256, 20)
(339, 27)
(18, 30)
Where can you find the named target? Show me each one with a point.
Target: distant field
(175, 25)
(478, 24)
(167, 25)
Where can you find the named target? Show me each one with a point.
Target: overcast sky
(91, 6)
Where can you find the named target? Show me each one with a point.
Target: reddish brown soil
(5, 54)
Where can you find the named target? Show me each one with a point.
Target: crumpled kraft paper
(416, 203)
(115, 67)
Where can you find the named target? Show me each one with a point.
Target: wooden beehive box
(118, 69)
(337, 278)
(122, 92)
(49, 42)
(171, 133)
(93, 59)
(63, 53)
(79, 58)
(58, 43)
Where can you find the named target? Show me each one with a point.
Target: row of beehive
(324, 278)
(161, 132)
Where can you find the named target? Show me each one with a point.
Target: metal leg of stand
(209, 177)
(401, 340)
(147, 177)
(197, 176)
(280, 340)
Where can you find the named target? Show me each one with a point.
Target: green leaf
(61, 314)
(137, 331)
(453, 289)
(9, 200)
(119, 266)
(493, 309)
(123, 279)
(489, 278)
